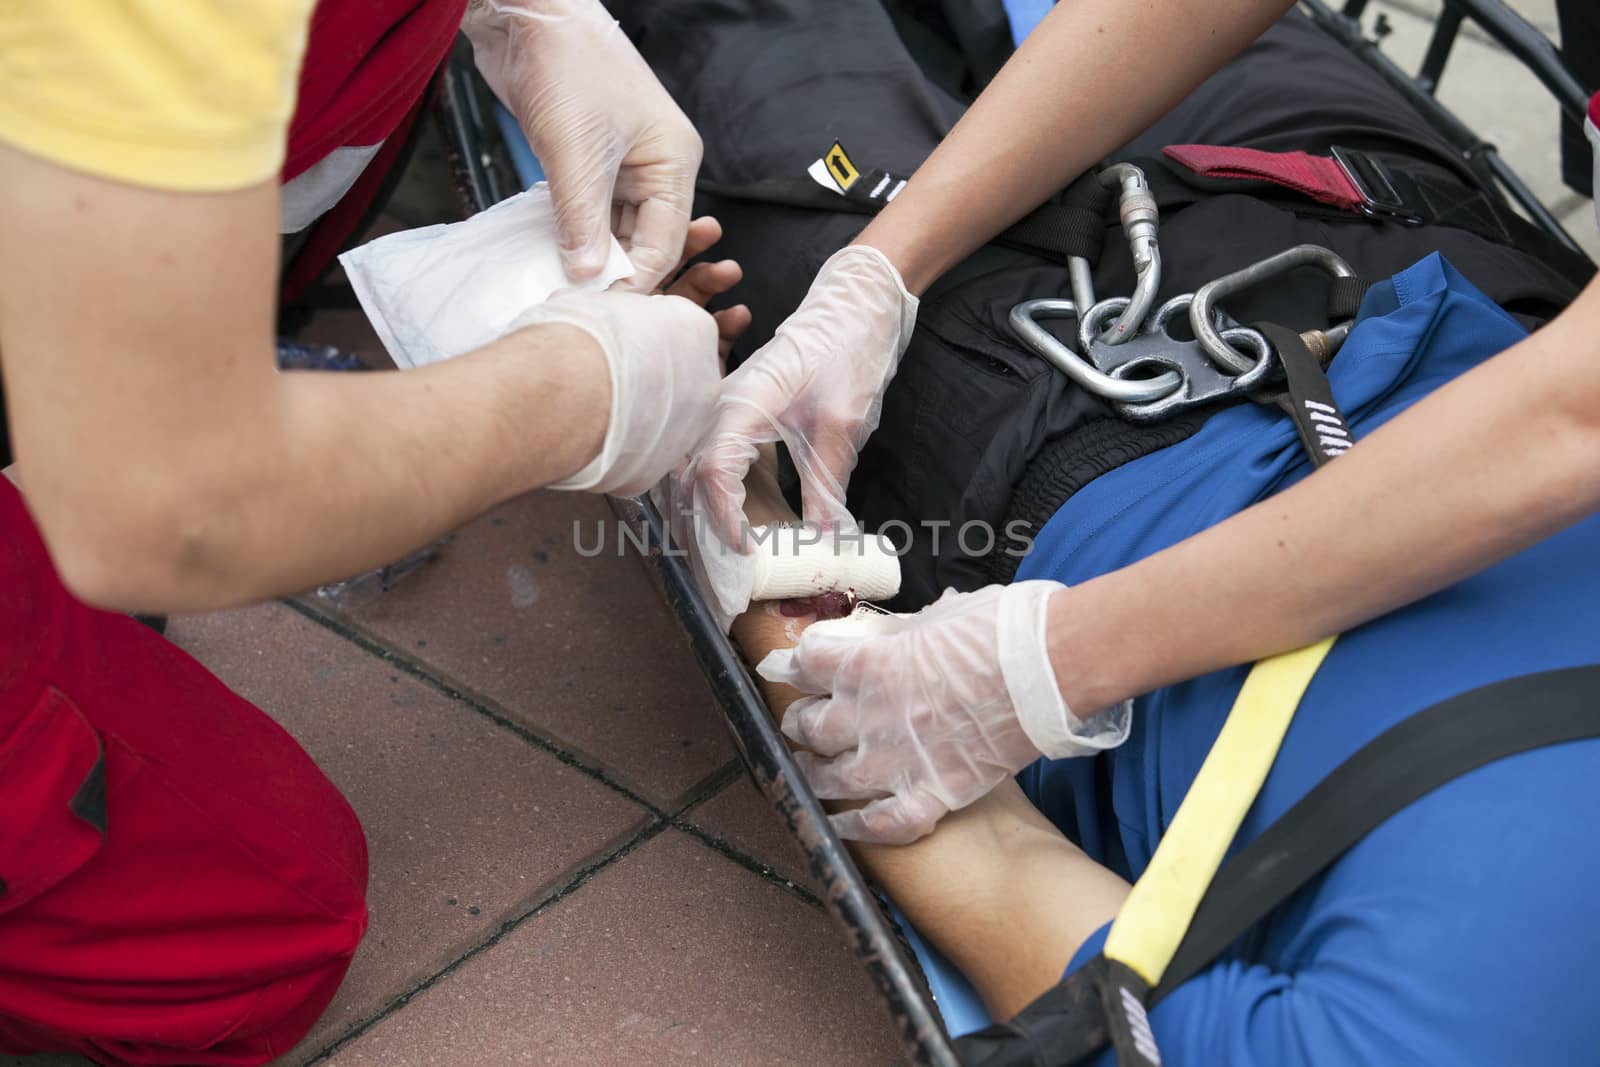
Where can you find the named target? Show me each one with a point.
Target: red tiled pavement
(740, 817)
(467, 824)
(672, 955)
(580, 649)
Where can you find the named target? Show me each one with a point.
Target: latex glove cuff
(1031, 683)
(588, 478)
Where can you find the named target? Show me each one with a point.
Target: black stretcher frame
(485, 175)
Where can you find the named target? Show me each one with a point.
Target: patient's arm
(996, 887)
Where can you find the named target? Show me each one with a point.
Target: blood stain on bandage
(821, 606)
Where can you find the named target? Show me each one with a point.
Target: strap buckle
(1380, 199)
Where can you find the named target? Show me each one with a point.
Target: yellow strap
(1156, 914)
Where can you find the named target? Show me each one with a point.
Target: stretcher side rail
(1521, 40)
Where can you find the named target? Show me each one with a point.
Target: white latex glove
(818, 387)
(619, 154)
(665, 376)
(924, 714)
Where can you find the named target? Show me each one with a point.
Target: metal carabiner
(1081, 276)
(1202, 311)
(1140, 219)
(1075, 367)
(1155, 348)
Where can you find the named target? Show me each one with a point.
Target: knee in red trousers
(179, 882)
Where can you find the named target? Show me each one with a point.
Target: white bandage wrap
(1025, 664)
(797, 561)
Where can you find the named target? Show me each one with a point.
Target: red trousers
(179, 883)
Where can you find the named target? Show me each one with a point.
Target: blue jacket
(1462, 930)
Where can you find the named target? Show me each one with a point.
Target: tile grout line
(420, 671)
(578, 880)
(708, 787)
(681, 821)
(748, 862)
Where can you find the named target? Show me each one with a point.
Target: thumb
(581, 185)
(813, 664)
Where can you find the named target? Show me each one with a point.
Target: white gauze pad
(791, 561)
(439, 291)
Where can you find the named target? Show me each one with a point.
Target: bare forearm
(169, 464)
(1091, 76)
(328, 475)
(1490, 464)
(424, 451)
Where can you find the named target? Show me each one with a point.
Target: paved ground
(567, 863)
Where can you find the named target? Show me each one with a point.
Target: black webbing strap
(1408, 761)
(1307, 396)
(1065, 1026)
(1070, 224)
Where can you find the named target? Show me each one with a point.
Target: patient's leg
(996, 887)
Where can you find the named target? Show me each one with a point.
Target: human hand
(662, 355)
(703, 282)
(620, 155)
(923, 714)
(818, 387)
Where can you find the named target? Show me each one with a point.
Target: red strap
(1318, 177)
(1594, 110)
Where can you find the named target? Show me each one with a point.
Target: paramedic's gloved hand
(818, 387)
(665, 377)
(619, 154)
(926, 713)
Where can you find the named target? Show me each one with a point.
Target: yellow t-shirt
(186, 95)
